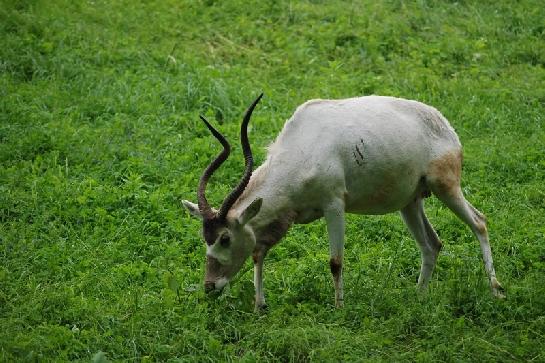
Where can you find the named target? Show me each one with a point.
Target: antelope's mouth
(215, 287)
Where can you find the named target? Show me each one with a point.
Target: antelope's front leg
(258, 257)
(334, 216)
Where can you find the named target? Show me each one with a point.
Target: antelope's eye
(225, 240)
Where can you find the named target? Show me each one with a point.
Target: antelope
(365, 155)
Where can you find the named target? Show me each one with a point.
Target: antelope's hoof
(261, 308)
(497, 290)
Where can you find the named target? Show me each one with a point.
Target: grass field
(100, 141)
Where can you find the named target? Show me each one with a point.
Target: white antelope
(366, 155)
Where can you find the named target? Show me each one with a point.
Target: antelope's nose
(209, 286)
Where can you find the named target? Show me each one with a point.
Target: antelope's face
(229, 240)
(229, 243)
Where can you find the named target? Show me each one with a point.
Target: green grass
(100, 140)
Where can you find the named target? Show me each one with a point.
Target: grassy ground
(100, 140)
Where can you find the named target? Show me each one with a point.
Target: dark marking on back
(356, 159)
(359, 152)
(359, 156)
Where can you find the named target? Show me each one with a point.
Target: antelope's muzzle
(209, 286)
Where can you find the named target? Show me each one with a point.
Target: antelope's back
(360, 145)
(385, 124)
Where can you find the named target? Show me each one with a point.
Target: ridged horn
(248, 161)
(204, 206)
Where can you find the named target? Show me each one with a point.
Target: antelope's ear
(250, 212)
(192, 208)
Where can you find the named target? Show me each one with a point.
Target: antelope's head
(229, 240)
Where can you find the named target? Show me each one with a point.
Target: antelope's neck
(275, 216)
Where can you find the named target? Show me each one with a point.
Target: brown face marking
(445, 172)
(210, 228)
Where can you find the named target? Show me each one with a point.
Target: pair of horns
(204, 206)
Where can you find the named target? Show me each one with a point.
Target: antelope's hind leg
(456, 202)
(424, 234)
(444, 181)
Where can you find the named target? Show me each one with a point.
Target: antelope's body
(367, 155)
(373, 153)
